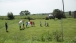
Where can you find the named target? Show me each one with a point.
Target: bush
(29, 18)
(46, 37)
(43, 37)
(74, 40)
(47, 18)
(58, 14)
(57, 36)
(10, 15)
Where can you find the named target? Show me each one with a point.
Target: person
(26, 24)
(20, 25)
(45, 23)
(33, 23)
(40, 23)
(29, 23)
(6, 26)
(20, 22)
(23, 22)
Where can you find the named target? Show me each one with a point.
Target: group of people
(45, 24)
(29, 23)
(21, 22)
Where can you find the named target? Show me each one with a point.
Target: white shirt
(20, 22)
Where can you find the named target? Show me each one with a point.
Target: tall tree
(58, 13)
(26, 12)
(10, 15)
(22, 13)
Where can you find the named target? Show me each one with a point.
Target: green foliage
(22, 13)
(46, 37)
(47, 18)
(26, 12)
(10, 15)
(29, 18)
(3, 17)
(58, 14)
(57, 36)
(33, 17)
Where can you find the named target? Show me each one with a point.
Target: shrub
(58, 14)
(46, 37)
(29, 18)
(57, 36)
(34, 38)
(47, 18)
(43, 37)
(10, 15)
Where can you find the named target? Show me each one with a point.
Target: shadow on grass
(7, 31)
(22, 28)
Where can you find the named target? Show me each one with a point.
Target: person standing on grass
(20, 22)
(45, 23)
(6, 26)
(40, 23)
(23, 22)
(33, 23)
(26, 24)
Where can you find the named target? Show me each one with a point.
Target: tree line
(22, 13)
(56, 13)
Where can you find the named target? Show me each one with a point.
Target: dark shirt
(6, 25)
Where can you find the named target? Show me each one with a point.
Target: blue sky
(35, 6)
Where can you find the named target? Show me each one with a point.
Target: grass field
(15, 35)
(24, 17)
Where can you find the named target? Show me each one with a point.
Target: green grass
(23, 17)
(25, 36)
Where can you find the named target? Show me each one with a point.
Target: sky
(35, 6)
